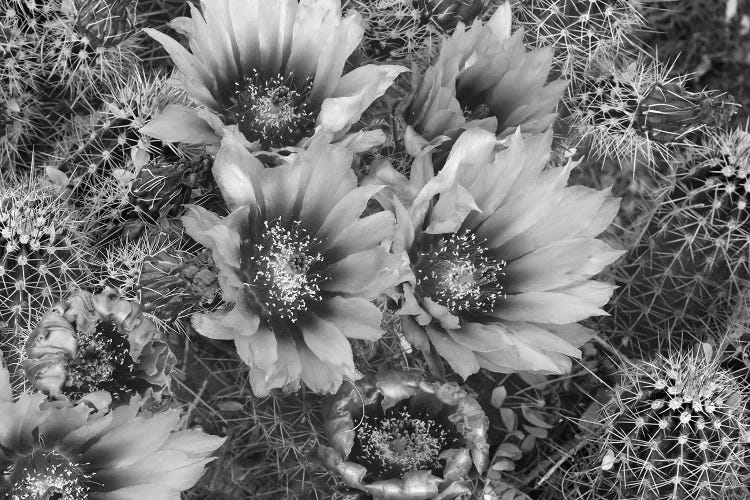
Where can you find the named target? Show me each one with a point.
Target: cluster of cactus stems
(76, 88)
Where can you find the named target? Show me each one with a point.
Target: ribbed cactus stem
(676, 428)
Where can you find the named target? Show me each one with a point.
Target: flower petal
(276, 19)
(178, 123)
(546, 307)
(560, 264)
(327, 342)
(237, 174)
(328, 178)
(353, 95)
(354, 317)
(461, 359)
(119, 447)
(209, 325)
(482, 337)
(334, 48)
(577, 209)
(540, 338)
(314, 21)
(284, 373)
(362, 235)
(525, 209)
(574, 334)
(319, 376)
(366, 274)
(346, 211)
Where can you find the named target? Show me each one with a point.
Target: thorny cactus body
(691, 259)
(676, 429)
(579, 30)
(42, 251)
(634, 113)
(85, 50)
(403, 29)
(168, 281)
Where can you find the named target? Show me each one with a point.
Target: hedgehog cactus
(579, 30)
(402, 29)
(42, 254)
(85, 49)
(630, 110)
(689, 263)
(675, 429)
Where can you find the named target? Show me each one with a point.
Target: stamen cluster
(102, 361)
(46, 474)
(282, 279)
(401, 443)
(457, 273)
(274, 110)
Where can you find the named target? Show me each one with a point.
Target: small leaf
(609, 460)
(533, 418)
(510, 421)
(56, 177)
(6, 393)
(498, 396)
(230, 406)
(528, 443)
(508, 450)
(503, 465)
(536, 431)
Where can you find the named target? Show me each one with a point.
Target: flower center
(401, 443)
(273, 111)
(281, 265)
(47, 475)
(103, 362)
(457, 273)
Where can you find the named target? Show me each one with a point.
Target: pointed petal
(354, 317)
(237, 173)
(321, 377)
(209, 325)
(362, 235)
(461, 359)
(577, 209)
(353, 95)
(560, 264)
(366, 274)
(327, 342)
(284, 373)
(546, 307)
(346, 211)
(482, 337)
(178, 123)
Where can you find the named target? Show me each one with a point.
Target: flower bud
(105, 23)
(669, 112)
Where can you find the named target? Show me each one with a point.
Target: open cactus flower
(484, 77)
(399, 436)
(502, 254)
(297, 265)
(70, 452)
(273, 69)
(100, 344)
